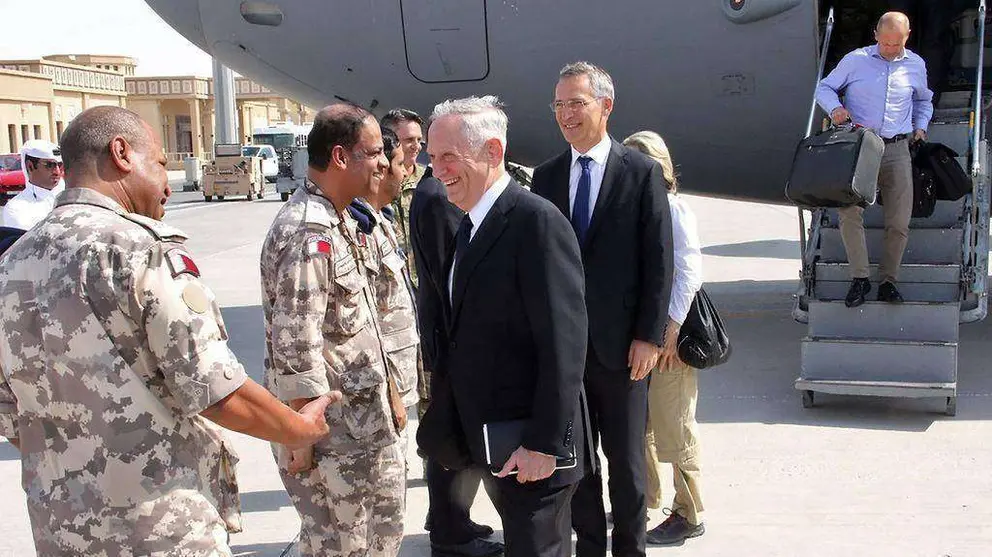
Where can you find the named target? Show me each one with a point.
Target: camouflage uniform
(111, 347)
(402, 231)
(321, 334)
(394, 298)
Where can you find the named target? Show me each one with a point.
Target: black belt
(895, 138)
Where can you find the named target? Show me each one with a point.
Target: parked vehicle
(11, 175)
(270, 160)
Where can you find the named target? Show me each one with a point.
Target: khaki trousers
(895, 181)
(673, 437)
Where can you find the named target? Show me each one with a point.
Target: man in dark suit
(432, 226)
(616, 201)
(516, 326)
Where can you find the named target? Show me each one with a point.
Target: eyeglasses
(572, 105)
(50, 165)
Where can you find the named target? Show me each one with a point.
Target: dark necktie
(580, 209)
(461, 244)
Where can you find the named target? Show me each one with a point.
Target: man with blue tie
(617, 203)
(885, 89)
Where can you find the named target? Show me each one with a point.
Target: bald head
(86, 142)
(893, 21)
(891, 34)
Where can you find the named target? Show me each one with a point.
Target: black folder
(502, 438)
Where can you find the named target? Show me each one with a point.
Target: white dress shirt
(599, 154)
(478, 214)
(688, 275)
(30, 206)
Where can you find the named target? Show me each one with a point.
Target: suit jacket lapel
(489, 231)
(559, 190)
(616, 163)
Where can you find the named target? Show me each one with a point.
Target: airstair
(908, 349)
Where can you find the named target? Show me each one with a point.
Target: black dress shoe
(479, 530)
(860, 287)
(674, 531)
(887, 292)
(475, 548)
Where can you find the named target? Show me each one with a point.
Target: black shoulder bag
(703, 340)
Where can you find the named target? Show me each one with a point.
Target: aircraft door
(446, 40)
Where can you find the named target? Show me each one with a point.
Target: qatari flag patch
(180, 262)
(317, 245)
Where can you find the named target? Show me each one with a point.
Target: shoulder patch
(180, 262)
(317, 245)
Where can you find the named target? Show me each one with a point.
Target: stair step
(931, 246)
(829, 290)
(915, 272)
(908, 321)
(878, 388)
(872, 359)
(954, 135)
(946, 214)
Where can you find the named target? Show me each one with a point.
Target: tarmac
(853, 476)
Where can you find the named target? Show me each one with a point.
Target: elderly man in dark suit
(432, 226)
(516, 328)
(616, 200)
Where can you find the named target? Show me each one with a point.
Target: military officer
(322, 333)
(115, 364)
(391, 281)
(41, 162)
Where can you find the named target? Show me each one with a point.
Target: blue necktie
(580, 209)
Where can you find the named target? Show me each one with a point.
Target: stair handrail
(976, 135)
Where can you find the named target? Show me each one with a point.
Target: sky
(123, 27)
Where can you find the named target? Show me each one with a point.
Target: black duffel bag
(924, 188)
(952, 182)
(836, 168)
(703, 340)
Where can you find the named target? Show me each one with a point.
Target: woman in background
(673, 434)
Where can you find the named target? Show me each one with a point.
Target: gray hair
(894, 21)
(600, 81)
(87, 139)
(482, 118)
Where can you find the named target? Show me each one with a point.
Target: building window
(37, 131)
(187, 87)
(117, 68)
(142, 88)
(12, 137)
(25, 134)
(176, 87)
(130, 87)
(163, 87)
(152, 87)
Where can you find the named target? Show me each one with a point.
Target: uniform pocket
(402, 350)
(365, 409)
(348, 301)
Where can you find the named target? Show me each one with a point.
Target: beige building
(38, 98)
(183, 108)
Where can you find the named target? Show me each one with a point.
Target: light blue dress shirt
(891, 98)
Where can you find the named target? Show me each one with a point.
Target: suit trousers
(450, 494)
(618, 410)
(895, 181)
(673, 437)
(536, 518)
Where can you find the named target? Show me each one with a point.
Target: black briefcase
(836, 168)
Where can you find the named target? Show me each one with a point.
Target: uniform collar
(414, 179)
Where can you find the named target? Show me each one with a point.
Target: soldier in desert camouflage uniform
(408, 127)
(392, 283)
(322, 333)
(115, 361)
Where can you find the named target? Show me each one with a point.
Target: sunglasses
(50, 165)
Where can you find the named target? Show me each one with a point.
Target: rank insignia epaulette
(317, 244)
(180, 262)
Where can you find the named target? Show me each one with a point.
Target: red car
(11, 175)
